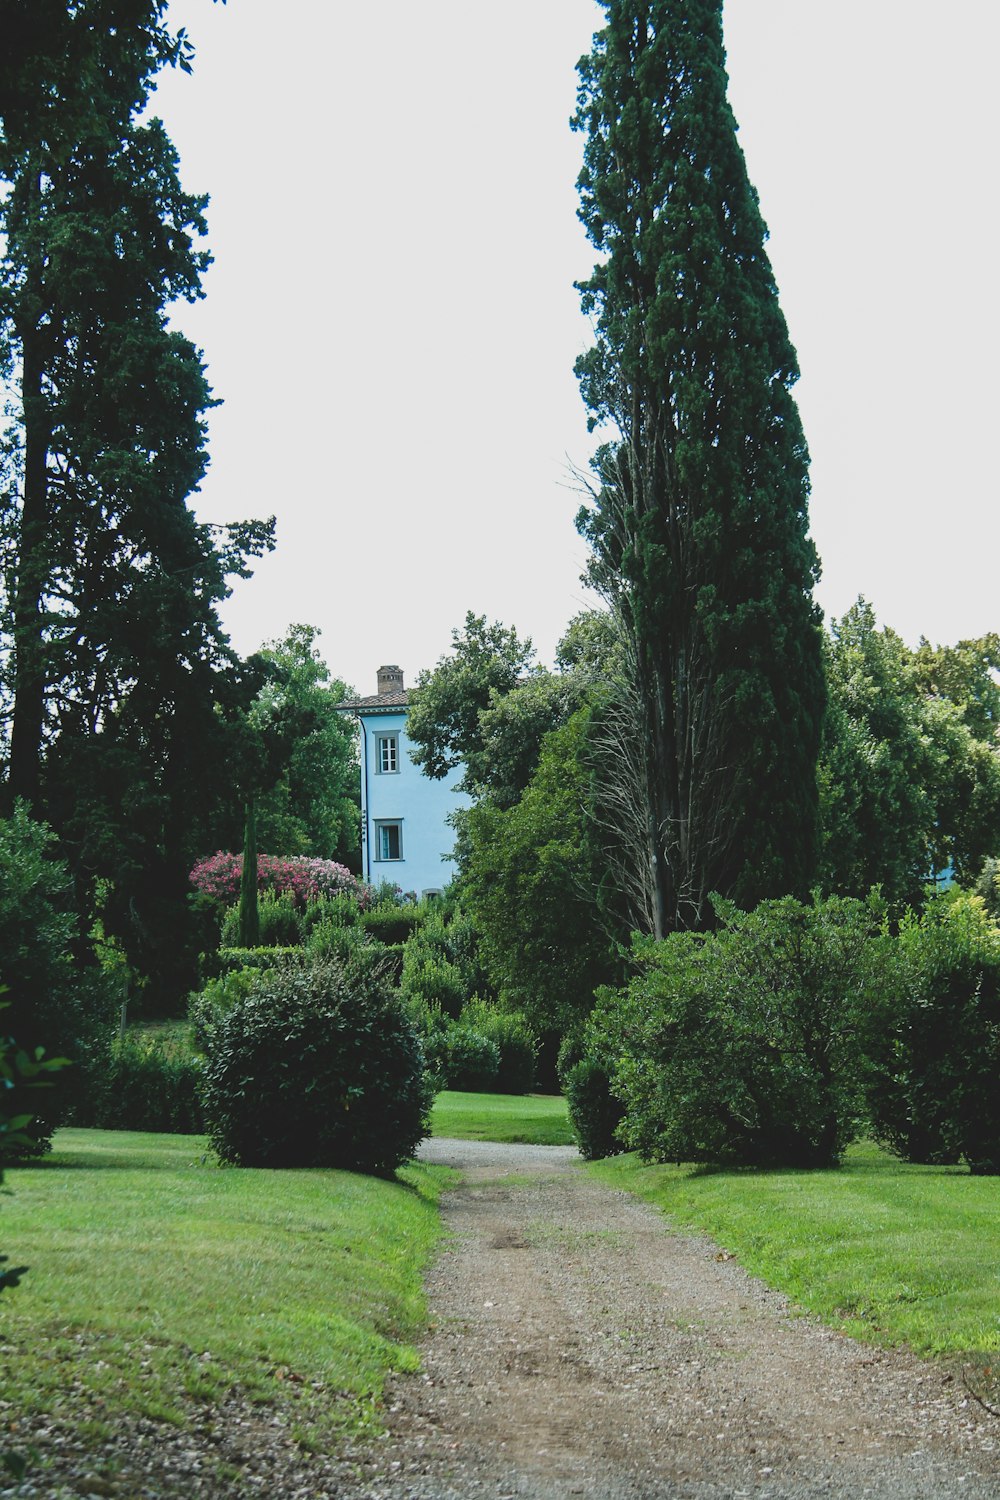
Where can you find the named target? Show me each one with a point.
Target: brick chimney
(390, 680)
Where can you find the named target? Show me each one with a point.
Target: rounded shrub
(514, 1039)
(594, 1112)
(318, 1066)
(470, 1061)
(744, 1045)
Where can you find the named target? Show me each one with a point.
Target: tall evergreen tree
(118, 677)
(698, 524)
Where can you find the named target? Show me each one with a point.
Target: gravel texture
(580, 1347)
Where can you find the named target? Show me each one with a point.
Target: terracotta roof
(387, 702)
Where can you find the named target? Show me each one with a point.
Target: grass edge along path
(528, 1119)
(161, 1283)
(888, 1253)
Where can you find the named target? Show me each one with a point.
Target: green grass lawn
(887, 1252)
(159, 1280)
(538, 1119)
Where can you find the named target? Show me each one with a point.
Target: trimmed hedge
(145, 1086)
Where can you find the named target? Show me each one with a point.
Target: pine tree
(699, 518)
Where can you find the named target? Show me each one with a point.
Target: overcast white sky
(392, 325)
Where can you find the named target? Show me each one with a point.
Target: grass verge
(888, 1253)
(160, 1282)
(535, 1119)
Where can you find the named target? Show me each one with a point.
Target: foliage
(22, 1071)
(484, 1048)
(218, 996)
(910, 775)
(339, 940)
(465, 1059)
(144, 1085)
(746, 1045)
(432, 981)
(594, 1112)
(532, 885)
(312, 803)
(513, 727)
(307, 879)
(57, 997)
(514, 1039)
(122, 687)
(698, 518)
(233, 959)
(248, 935)
(936, 1039)
(393, 924)
(987, 886)
(317, 1066)
(279, 921)
(443, 719)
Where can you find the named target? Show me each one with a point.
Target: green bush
(459, 940)
(334, 939)
(58, 998)
(430, 980)
(594, 1112)
(935, 1095)
(288, 923)
(318, 1066)
(572, 1050)
(342, 909)
(233, 959)
(515, 1042)
(744, 1045)
(17, 1068)
(218, 996)
(468, 1060)
(278, 919)
(145, 1086)
(393, 924)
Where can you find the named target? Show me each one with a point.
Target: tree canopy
(910, 771)
(119, 684)
(312, 805)
(698, 523)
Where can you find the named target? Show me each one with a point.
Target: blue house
(405, 835)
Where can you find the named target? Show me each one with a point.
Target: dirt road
(580, 1348)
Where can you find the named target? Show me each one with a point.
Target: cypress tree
(249, 908)
(698, 525)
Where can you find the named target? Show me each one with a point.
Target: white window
(389, 840)
(387, 753)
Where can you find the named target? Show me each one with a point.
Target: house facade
(405, 835)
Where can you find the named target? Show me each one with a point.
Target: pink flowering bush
(305, 879)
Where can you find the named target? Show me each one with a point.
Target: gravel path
(581, 1348)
